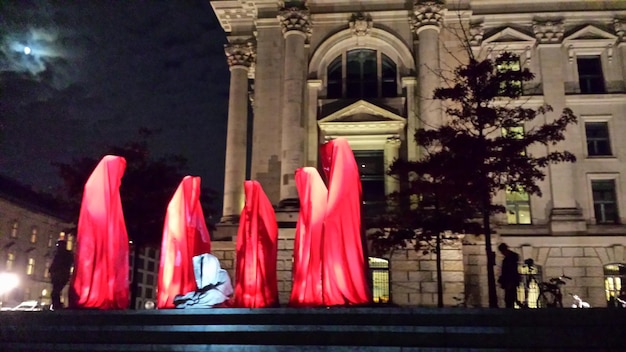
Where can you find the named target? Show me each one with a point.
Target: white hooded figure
(213, 282)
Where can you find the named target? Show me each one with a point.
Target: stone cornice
(242, 53)
(427, 14)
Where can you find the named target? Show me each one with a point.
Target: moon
(27, 50)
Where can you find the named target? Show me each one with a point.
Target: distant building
(30, 225)
(366, 70)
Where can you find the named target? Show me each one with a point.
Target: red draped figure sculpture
(185, 235)
(344, 266)
(256, 284)
(100, 278)
(329, 261)
(307, 253)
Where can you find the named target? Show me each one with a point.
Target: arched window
(362, 73)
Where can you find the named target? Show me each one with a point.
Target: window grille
(379, 269)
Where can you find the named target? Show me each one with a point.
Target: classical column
(296, 26)
(565, 216)
(411, 118)
(427, 20)
(312, 138)
(391, 154)
(619, 24)
(240, 56)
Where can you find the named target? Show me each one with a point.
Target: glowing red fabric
(185, 235)
(256, 284)
(307, 262)
(344, 267)
(100, 278)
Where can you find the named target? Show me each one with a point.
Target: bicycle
(550, 293)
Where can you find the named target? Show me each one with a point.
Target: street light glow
(8, 281)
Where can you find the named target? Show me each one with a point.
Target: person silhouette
(60, 270)
(509, 277)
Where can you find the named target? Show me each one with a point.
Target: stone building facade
(30, 225)
(365, 70)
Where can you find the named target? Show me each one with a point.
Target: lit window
(514, 86)
(590, 75)
(50, 241)
(33, 235)
(517, 207)
(14, 229)
(46, 272)
(598, 142)
(70, 241)
(10, 261)
(380, 279)
(528, 289)
(604, 201)
(30, 268)
(362, 73)
(614, 280)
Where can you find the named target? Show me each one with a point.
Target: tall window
(362, 73)
(528, 290)
(614, 282)
(46, 270)
(590, 75)
(513, 65)
(517, 200)
(30, 268)
(380, 279)
(372, 171)
(598, 142)
(517, 207)
(33, 234)
(10, 261)
(14, 229)
(604, 201)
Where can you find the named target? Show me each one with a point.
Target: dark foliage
(480, 148)
(147, 187)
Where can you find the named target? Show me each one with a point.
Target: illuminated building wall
(30, 225)
(366, 70)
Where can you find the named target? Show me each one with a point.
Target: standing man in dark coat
(509, 277)
(60, 270)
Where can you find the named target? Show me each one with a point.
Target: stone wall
(413, 276)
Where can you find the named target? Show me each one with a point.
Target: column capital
(619, 24)
(295, 18)
(427, 14)
(548, 31)
(240, 53)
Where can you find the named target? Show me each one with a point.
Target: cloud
(104, 69)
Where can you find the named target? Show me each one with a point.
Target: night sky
(97, 71)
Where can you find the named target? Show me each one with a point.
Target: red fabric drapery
(256, 284)
(344, 266)
(100, 278)
(185, 235)
(307, 256)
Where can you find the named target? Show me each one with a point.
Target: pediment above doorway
(362, 118)
(362, 111)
